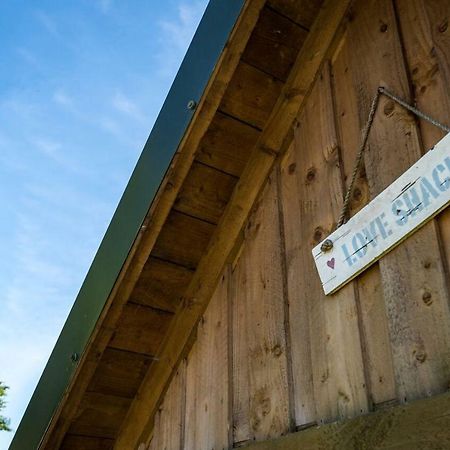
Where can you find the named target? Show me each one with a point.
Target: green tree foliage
(4, 422)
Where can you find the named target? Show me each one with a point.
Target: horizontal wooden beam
(138, 424)
(421, 424)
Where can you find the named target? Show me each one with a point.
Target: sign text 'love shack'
(408, 203)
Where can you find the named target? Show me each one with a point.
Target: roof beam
(138, 423)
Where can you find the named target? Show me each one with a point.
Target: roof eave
(161, 146)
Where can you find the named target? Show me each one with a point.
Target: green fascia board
(171, 125)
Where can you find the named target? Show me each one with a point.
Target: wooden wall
(273, 354)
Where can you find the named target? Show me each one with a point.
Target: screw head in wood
(191, 104)
(427, 298)
(327, 245)
(421, 356)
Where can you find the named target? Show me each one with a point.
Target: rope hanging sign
(403, 207)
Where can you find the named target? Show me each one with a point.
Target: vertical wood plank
(154, 443)
(241, 382)
(330, 359)
(426, 38)
(371, 308)
(293, 208)
(207, 383)
(379, 364)
(168, 433)
(260, 380)
(419, 332)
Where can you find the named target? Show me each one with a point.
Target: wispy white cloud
(105, 5)
(40, 281)
(47, 22)
(111, 126)
(57, 153)
(48, 147)
(107, 115)
(62, 98)
(36, 300)
(179, 31)
(126, 106)
(46, 269)
(80, 204)
(9, 158)
(177, 34)
(28, 57)
(121, 132)
(24, 367)
(20, 107)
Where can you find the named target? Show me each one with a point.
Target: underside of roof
(177, 223)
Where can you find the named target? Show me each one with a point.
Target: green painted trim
(423, 424)
(165, 137)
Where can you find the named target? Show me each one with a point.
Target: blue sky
(81, 84)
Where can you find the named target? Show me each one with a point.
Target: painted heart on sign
(330, 263)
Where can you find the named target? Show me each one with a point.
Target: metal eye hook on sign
(409, 202)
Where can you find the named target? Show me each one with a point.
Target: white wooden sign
(407, 204)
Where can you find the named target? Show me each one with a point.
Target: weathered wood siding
(260, 366)
(273, 353)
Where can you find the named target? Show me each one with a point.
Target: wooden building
(202, 323)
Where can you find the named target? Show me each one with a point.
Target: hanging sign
(407, 204)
